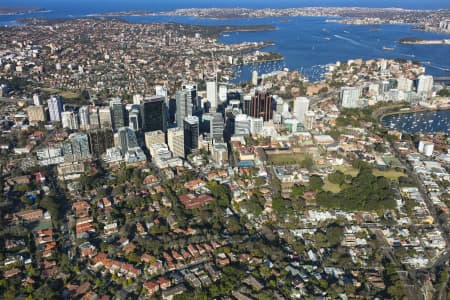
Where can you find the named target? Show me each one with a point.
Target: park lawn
(286, 159)
(64, 94)
(331, 187)
(347, 170)
(389, 174)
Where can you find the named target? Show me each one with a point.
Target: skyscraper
(215, 126)
(69, 120)
(83, 115)
(36, 99)
(117, 113)
(191, 134)
(55, 108)
(349, 97)
(133, 119)
(100, 140)
(94, 120)
(161, 90)
(154, 137)
(175, 141)
(261, 106)
(301, 106)
(154, 114)
(425, 85)
(127, 139)
(187, 103)
(104, 114)
(310, 118)
(211, 94)
(76, 147)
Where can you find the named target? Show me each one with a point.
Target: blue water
(426, 122)
(303, 41)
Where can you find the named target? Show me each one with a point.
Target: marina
(431, 121)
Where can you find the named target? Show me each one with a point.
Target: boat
(327, 38)
(388, 48)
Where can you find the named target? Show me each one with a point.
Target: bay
(424, 121)
(307, 43)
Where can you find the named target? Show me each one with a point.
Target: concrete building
(349, 97)
(117, 113)
(256, 125)
(69, 120)
(37, 100)
(126, 139)
(220, 153)
(154, 114)
(134, 119)
(94, 119)
(175, 141)
(425, 85)
(104, 114)
(223, 90)
(404, 84)
(154, 137)
(241, 125)
(83, 116)
(261, 106)
(191, 134)
(36, 114)
(186, 102)
(310, 118)
(301, 106)
(211, 94)
(76, 147)
(55, 108)
(100, 140)
(255, 77)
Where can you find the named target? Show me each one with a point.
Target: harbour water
(308, 44)
(424, 121)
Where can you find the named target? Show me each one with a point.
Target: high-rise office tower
(154, 114)
(137, 99)
(154, 137)
(310, 118)
(105, 119)
(301, 106)
(76, 147)
(36, 100)
(133, 119)
(100, 140)
(117, 113)
(255, 77)
(83, 115)
(216, 126)
(223, 90)
(69, 120)
(191, 134)
(246, 104)
(127, 139)
(261, 106)
(55, 108)
(94, 120)
(256, 125)
(161, 90)
(349, 97)
(425, 85)
(175, 141)
(184, 107)
(211, 94)
(241, 125)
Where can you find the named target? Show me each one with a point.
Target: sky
(171, 4)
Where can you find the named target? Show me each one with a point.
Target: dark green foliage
(337, 177)
(366, 192)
